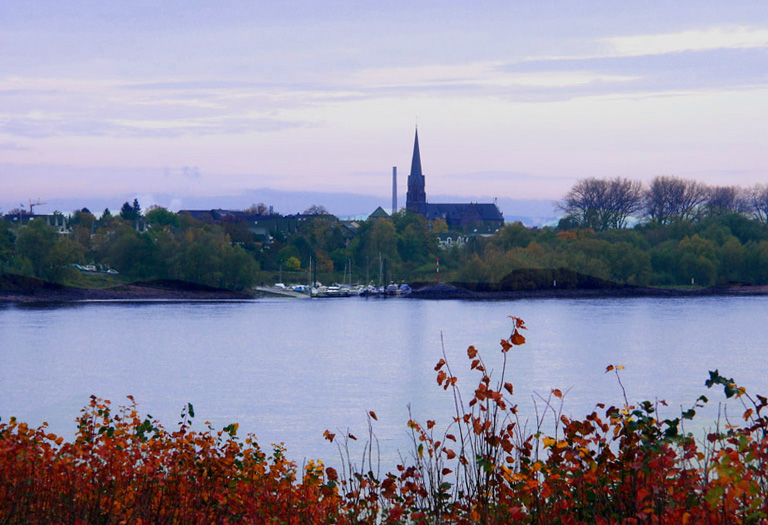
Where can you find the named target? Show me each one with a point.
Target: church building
(472, 215)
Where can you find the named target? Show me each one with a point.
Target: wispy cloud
(491, 74)
(691, 40)
(12, 146)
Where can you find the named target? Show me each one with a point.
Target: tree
(82, 218)
(601, 204)
(128, 213)
(35, 243)
(757, 202)
(316, 209)
(258, 209)
(47, 254)
(292, 264)
(670, 199)
(159, 216)
(6, 242)
(725, 199)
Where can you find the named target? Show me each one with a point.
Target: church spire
(416, 188)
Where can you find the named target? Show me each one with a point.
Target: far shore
(447, 291)
(25, 290)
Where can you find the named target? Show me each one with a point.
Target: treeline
(729, 248)
(401, 247)
(684, 233)
(169, 246)
(604, 204)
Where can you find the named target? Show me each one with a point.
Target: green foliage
(159, 216)
(43, 253)
(292, 264)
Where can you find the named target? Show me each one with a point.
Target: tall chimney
(394, 189)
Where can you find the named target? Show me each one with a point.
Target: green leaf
(190, 410)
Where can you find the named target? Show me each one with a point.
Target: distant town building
(378, 213)
(471, 215)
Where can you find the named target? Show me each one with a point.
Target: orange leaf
(430, 424)
(373, 415)
(332, 474)
(516, 338)
(440, 377)
(329, 436)
(508, 387)
(557, 393)
(608, 368)
(439, 365)
(471, 352)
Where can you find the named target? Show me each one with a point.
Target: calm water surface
(286, 370)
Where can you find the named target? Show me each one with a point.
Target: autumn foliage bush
(619, 464)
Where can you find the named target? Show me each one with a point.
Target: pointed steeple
(416, 161)
(416, 195)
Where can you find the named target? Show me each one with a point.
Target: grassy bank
(617, 464)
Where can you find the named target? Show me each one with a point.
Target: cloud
(684, 41)
(12, 146)
(491, 74)
(74, 125)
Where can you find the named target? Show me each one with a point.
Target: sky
(515, 99)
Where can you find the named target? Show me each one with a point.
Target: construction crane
(33, 204)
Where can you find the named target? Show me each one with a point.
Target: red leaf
(516, 338)
(373, 415)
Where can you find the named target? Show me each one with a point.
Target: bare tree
(602, 204)
(725, 199)
(671, 198)
(757, 201)
(625, 198)
(258, 209)
(316, 209)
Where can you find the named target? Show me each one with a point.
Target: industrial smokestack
(394, 189)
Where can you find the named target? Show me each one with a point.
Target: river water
(286, 370)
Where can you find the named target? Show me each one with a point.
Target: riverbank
(447, 291)
(21, 289)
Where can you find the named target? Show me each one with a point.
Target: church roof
(458, 213)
